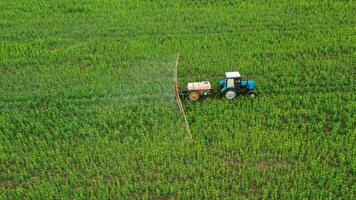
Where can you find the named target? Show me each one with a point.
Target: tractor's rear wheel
(231, 94)
(194, 96)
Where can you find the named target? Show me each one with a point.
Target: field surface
(87, 107)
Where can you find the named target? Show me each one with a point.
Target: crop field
(88, 109)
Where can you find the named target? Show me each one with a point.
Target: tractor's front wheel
(194, 96)
(252, 95)
(231, 94)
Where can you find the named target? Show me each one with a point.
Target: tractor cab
(232, 80)
(232, 85)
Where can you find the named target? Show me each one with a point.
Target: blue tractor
(232, 86)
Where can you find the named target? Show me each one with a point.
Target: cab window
(237, 82)
(230, 83)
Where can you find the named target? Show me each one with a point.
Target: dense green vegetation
(87, 103)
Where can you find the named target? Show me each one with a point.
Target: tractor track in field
(241, 29)
(234, 30)
(299, 90)
(143, 99)
(163, 99)
(302, 90)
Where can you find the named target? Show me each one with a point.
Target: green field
(88, 110)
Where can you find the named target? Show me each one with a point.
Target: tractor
(230, 87)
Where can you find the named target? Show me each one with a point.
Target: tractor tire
(252, 95)
(230, 94)
(194, 96)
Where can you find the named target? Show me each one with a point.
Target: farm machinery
(231, 86)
